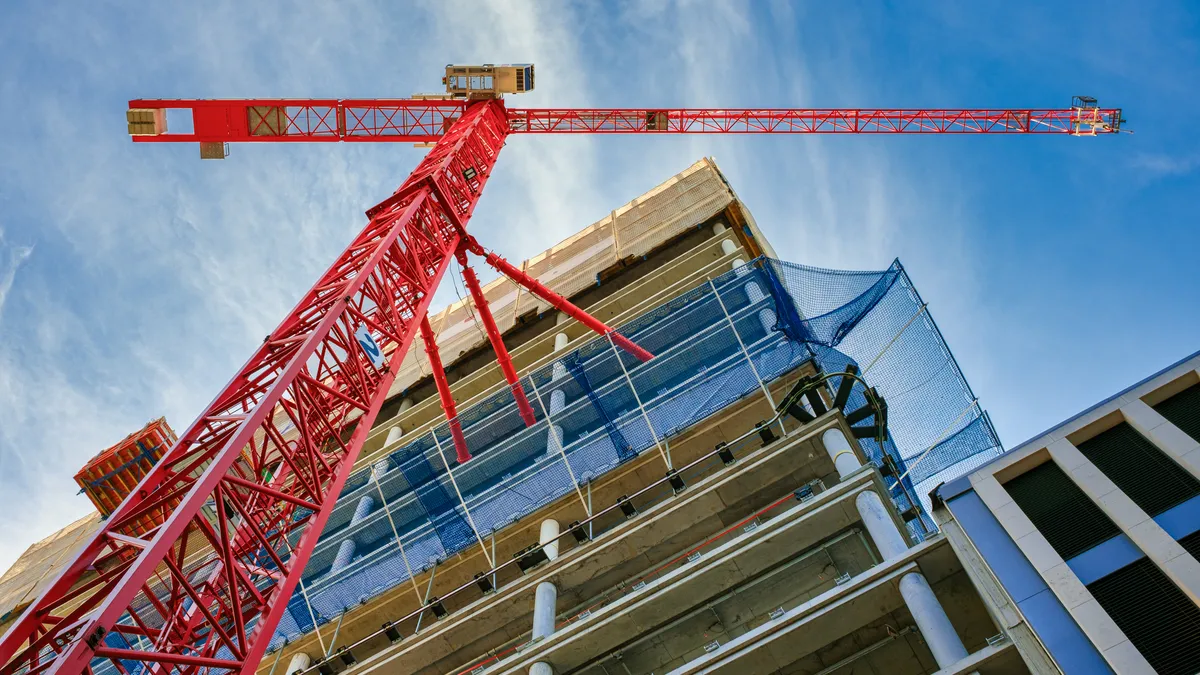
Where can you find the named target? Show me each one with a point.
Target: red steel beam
(385, 278)
(419, 120)
(493, 333)
(462, 454)
(801, 121)
(557, 301)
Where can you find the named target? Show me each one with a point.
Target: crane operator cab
(488, 80)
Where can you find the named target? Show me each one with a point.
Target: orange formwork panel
(112, 474)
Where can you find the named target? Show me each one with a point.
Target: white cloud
(11, 258)
(169, 270)
(1162, 164)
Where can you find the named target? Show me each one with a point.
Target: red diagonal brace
(493, 333)
(443, 389)
(559, 302)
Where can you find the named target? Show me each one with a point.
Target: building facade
(681, 515)
(1088, 536)
(660, 517)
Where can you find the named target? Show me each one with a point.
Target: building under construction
(748, 501)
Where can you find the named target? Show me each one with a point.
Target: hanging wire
(462, 501)
(388, 510)
(561, 450)
(942, 437)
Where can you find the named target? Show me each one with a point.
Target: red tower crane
(257, 493)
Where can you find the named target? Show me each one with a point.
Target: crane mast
(272, 451)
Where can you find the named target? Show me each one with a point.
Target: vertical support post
(557, 301)
(557, 441)
(493, 333)
(336, 630)
(666, 454)
(428, 593)
(927, 611)
(462, 501)
(746, 353)
(545, 596)
(396, 533)
(312, 615)
(443, 389)
(346, 549)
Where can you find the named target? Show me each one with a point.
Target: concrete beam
(729, 565)
(823, 619)
(655, 535)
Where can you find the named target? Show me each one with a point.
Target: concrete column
(719, 228)
(394, 434)
(544, 600)
(298, 663)
(558, 397)
(546, 595)
(753, 292)
(880, 525)
(346, 548)
(727, 246)
(838, 447)
(379, 468)
(547, 537)
(931, 618)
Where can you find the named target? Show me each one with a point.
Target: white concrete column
(880, 525)
(561, 318)
(719, 228)
(346, 548)
(765, 316)
(838, 447)
(548, 538)
(544, 600)
(394, 434)
(558, 397)
(546, 595)
(931, 618)
(727, 246)
(298, 663)
(379, 468)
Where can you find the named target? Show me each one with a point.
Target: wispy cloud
(11, 258)
(1161, 164)
(156, 274)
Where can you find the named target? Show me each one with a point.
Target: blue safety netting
(598, 407)
(878, 321)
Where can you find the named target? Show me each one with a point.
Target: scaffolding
(597, 408)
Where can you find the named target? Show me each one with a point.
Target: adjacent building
(1087, 537)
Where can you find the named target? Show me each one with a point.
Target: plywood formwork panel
(39, 564)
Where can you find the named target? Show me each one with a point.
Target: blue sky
(135, 280)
